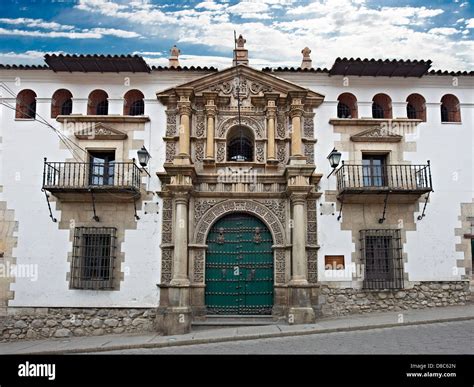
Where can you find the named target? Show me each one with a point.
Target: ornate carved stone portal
(203, 182)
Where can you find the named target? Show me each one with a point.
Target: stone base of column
(173, 320)
(209, 163)
(174, 315)
(297, 160)
(182, 159)
(301, 298)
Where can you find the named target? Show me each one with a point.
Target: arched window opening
(98, 103)
(450, 109)
(61, 103)
(416, 107)
(240, 144)
(381, 106)
(26, 104)
(347, 106)
(133, 104)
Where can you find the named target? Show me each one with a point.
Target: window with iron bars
(381, 253)
(93, 258)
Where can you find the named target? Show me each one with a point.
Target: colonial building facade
(153, 198)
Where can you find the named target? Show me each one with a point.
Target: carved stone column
(184, 108)
(296, 112)
(300, 292)
(271, 113)
(211, 111)
(299, 265)
(180, 257)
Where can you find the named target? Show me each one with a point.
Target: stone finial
(173, 59)
(241, 55)
(307, 62)
(241, 41)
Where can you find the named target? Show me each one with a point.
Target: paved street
(439, 338)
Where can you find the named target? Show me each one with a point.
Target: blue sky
(275, 30)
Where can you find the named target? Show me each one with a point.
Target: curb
(212, 340)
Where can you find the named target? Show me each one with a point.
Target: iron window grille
(449, 115)
(343, 110)
(93, 259)
(66, 107)
(377, 111)
(102, 108)
(412, 113)
(137, 108)
(381, 253)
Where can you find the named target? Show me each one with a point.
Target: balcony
(78, 181)
(359, 183)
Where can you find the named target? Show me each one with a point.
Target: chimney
(307, 62)
(241, 55)
(173, 59)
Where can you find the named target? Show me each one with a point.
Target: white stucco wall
(40, 241)
(430, 249)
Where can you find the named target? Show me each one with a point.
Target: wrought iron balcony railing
(70, 176)
(375, 178)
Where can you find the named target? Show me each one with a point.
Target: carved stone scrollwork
(167, 226)
(260, 152)
(199, 150)
(224, 88)
(309, 152)
(200, 208)
(166, 265)
(312, 234)
(282, 153)
(198, 272)
(170, 122)
(220, 154)
(308, 126)
(278, 207)
(257, 125)
(200, 124)
(312, 258)
(280, 267)
(170, 151)
(281, 126)
(249, 206)
(256, 88)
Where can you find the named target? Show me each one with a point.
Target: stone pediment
(98, 131)
(376, 134)
(253, 83)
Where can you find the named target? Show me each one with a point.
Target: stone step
(233, 321)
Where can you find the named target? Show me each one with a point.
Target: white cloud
(210, 5)
(470, 23)
(94, 33)
(331, 28)
(444, 31)
(37, 23)
(31, 57)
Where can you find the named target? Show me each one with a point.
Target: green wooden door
(239, 267)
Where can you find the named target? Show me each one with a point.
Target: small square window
(334, 262)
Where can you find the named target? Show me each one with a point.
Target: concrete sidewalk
(329, 325)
